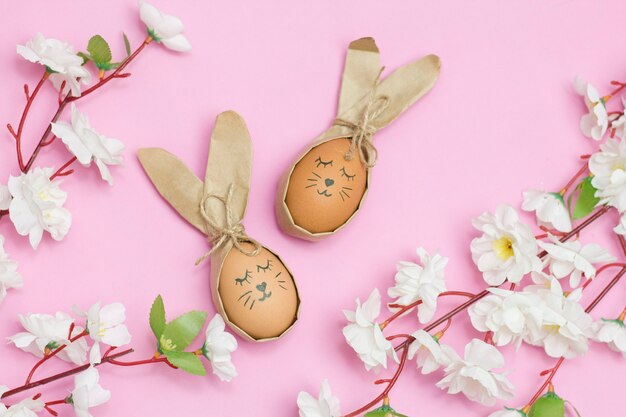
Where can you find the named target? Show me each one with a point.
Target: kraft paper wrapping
(403, 88)
(228, 170)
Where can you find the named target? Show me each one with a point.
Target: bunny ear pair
(228, 169)
(251, 286)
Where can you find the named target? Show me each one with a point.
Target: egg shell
(325, 187)
(258, 295)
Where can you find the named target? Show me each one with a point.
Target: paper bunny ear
(401, 89)
(176, 183)
(360, 72)
(229, 165)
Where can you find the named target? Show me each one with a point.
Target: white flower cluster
(46, 333)
(34, 200)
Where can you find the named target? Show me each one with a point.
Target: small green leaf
(587, 199)
(86, 58)
(179, 333)
(157, 317)
(559, 197)
(550, 405)
(126, 44)
(384, 411)
(187, 361)
(100, 51)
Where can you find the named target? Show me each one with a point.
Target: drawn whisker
(277, 275)
(341, 195)
(247, 299)
(282, 282)
(309, 186)
(347, 188)
(252, 305)
(312, 179)
(344, 193)
(284, 288)
(244, 294)
(316, 175)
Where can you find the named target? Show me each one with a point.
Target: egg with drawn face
(258, 293)
(325, 188)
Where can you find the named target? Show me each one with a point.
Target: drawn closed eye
(345, 174)
(319, 162)
(267, 267)
(245, 278)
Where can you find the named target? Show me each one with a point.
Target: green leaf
(587, 199)
(86, 58)
(157, 317)
(100, 51)
(126, 44)
(187, 361)
(550, 405)
(384, 411)
(179, 333)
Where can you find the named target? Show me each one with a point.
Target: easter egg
(258, 293)
(325, 187)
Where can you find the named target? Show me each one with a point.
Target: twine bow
(362, 131)
(234, 231)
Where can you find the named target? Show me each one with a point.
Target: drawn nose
(261, 287)
(329, 182)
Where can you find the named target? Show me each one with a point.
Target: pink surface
(502, 118)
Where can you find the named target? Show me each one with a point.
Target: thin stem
(573, 179)
(18, 135)
(61, 171)
(547, 382)
(61, 375)
(606, 290)
(52, 354)
(142, 362)
(391, 382)
(70, 99)
(408, 307)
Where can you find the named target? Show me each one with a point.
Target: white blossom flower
(59, 59)
(549, 209)
(574, 259)
(365, 336)
(420, 282)
(611, 332)
(474, 376)
(88, 145)
(508, 412)
(28, 407)
(218, 347)
(509, 315)
(5, 197)
(619, 123)
(9, 277)
(163, 27)
(595, 123)
(507, 249)
(430, 355)
(87, 392)
(565, 326)
(326, 405)
(45, 333)
(37, 206)
(105, 325)
(608, 167)
(620, 229)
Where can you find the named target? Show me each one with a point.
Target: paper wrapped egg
(326, 188)
(258, 293)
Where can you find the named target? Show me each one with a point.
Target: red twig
(61, 171)
(62, 375)
(404, 308)
(391, 382)
(582, 170)
(18, 135)
(52, 354)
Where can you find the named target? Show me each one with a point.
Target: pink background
(502, 118)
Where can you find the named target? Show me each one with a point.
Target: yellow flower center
(503, 247)
(43, 195)
(618, 165)
(167, 344)
(552, 328)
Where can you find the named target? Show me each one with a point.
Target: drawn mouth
(325, 193)
(265, 296)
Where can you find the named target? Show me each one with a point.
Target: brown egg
(325, 188)
(258, 293)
